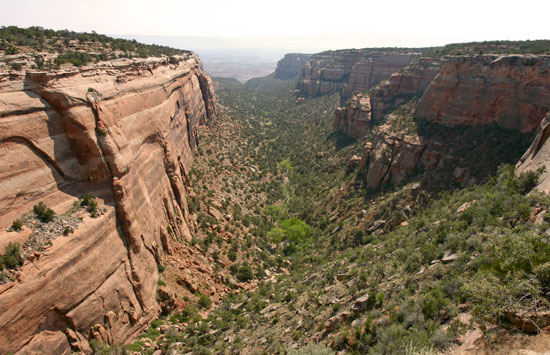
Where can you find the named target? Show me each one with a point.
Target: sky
(303, 25)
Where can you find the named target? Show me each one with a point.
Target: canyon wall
(537, 157)
(290, 66)
(402, 86)
(512, 91)
(123, 131)
(347, 71)
(354, 118)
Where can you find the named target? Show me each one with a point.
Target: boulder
(362, 303)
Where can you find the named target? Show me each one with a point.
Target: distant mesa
(291, 65)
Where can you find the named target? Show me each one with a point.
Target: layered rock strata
(392, 159)
(346, 71)
(353, 119)
(124, 131)
(537, 157)
(369, 72)
(411, 81)
(290, 66)
(512, 91)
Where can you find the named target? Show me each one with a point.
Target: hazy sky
(330, 24)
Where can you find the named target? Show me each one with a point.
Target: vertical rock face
(353, 119)
(290, 66)
(512, 91)
(538, 155)
(401, 86)
(370, 71)
(349, 70)
(390, 159)
(124, 131)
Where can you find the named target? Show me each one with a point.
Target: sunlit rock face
(512, 91)
(347, 71)
(123, 131)
(537, 157)
(354, 119)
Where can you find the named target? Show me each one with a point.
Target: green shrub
(183, 316)
(245, 273)
(204, 302)
(16, 66)
(157, 323)
(17, 225)
(311, 349)
(92, 208)
(136, 347)
(543, 274)
(43, 213)
(91, 205)
(10, 50)
(12, 255)
(232, 255)
(150, 333)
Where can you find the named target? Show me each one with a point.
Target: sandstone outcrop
(512, 91)
(391, 159)
(538, 155)
(290, 66)
(401, 86)
(353, 119)
(369, 72)
(347, 71)
(124, 131)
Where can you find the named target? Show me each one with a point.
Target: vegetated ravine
(369, 206)
(335, 265)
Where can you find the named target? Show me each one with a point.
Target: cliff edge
(123, 131)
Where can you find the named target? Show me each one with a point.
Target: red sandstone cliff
(354, 118)
(512, 91)
(124, 131)
(347, 71)
(538, 155)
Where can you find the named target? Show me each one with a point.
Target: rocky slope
(290, 66)
(123, 131)
(347, 71)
